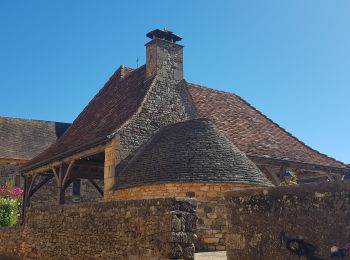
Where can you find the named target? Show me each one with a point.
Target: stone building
(149, 133)
(23, 139)
(20, 141)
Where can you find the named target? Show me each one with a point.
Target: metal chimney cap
(164, 35)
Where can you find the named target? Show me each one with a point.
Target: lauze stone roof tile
(23, 139)
(190, 151)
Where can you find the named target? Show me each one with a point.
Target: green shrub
(9, 212)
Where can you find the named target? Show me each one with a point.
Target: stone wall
(164, 190)
(10, 241)
(8, 173)
(317, 213)
(166, 103)
(143, 229)
(211, 208)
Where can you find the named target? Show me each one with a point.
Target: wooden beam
(96, 186)
(304, 166)
(275, 180)
(66, 175)
(85, 174)
(39, 185)
(60, 190)
(30, 184)
(90, 164)
(56, 175)
(32, 181)
(24, 205)
(16, 161)
(66, 185)
(77, 156)
(313, 177)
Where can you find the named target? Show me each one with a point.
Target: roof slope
(251, 131)
(190, 151)
(116, 102)
(23, 139)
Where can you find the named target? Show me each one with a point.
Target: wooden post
(30, 184)
(274, 178)
(110, 164)
(62, 177)
(24, 200)
(60, 190)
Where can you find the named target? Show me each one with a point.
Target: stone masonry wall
(10, 241)
(8, 171)
(165, 104)
(211, 208)
(143, 229)
(167, 101)
(317, 213)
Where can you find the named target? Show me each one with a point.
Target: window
(76, 187)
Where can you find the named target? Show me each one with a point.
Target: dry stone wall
(165, 104)
(142, 229)
(10, 241)
(319, 214)
(211, 228)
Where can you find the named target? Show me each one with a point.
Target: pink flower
(11, 192)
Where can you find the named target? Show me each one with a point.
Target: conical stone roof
(191, 151)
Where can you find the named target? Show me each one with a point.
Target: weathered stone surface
(106, 230)
(318, 214)
(8, 171)
(213, 199)
(190, 151)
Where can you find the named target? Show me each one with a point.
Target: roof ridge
(30, 119)
(110, 89)
(115, 76)
(270, 120)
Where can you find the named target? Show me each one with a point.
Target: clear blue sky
(290, 59)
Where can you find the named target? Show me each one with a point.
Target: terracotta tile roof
(190, 151)
(251, 131)
(23, 139)
(248, 129)
(115, 103)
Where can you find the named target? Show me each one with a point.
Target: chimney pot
(164, 35)
(164, 57)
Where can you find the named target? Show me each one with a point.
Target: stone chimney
(164, 57)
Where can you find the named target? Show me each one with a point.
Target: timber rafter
(297, 165)
(67, 160)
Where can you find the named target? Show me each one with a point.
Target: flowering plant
(10, 192)
(10, 204)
